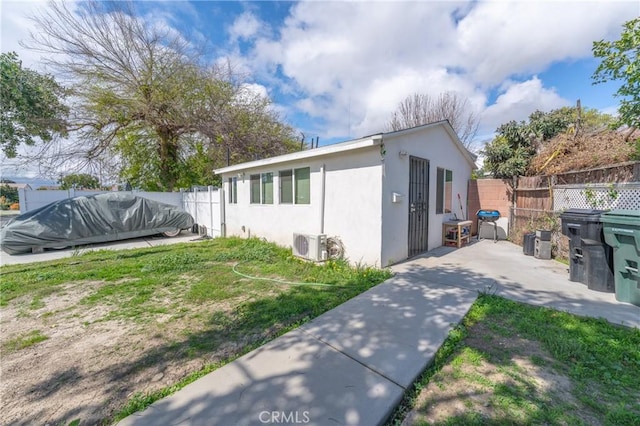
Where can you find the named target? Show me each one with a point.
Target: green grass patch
(271, 293)
(24, 341)
(593, 368)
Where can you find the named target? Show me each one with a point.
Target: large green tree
(142, 95)
(31, 106)
(621, 61)
(79, 180)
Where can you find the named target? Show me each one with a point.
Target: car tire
(173, 233)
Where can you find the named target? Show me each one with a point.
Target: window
(302, 185)
(261, 188)
(295, 186)
(286, 186)
(233, 190)
(255, 189)
(444, 190)
(267, 188)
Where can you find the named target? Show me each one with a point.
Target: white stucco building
(384, 196)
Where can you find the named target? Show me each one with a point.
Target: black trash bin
(529, 243)
(590, 258)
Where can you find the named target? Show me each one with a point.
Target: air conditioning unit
(310, 247)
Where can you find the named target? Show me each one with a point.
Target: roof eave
(304, 155)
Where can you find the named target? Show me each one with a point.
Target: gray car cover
(94, 219)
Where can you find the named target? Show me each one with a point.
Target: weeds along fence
(523, 221)
(204, 204)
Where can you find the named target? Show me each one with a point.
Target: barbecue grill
(488, 216)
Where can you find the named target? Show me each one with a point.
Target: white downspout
(223, 219)
(322, 196)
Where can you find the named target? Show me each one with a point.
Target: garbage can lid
(629, 217)
(588, 215)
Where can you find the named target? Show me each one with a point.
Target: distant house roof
(351, 145)
(25, 186)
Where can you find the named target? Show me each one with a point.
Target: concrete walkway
(352, 365)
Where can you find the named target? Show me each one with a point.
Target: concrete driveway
(185, 236)
(501, 268)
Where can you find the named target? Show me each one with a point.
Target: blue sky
(337, 70)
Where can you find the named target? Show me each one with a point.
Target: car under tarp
(89, 220)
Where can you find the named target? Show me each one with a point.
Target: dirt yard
(87, 367)
(84, 370)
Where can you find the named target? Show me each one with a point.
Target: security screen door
(418, 205)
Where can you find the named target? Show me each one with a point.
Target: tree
(141, 93)
(419, 108)
(620, 61)
(31, 106)
(9, 193)
(79, 181)
(510, 152)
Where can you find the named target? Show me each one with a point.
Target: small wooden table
(456, 231)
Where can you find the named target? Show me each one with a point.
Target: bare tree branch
(420, 108)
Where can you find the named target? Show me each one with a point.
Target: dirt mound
(567, 152)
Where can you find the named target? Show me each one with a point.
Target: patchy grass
(24, 341)
(510, 363)
(166, 307)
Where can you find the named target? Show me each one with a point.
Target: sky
(337, 70)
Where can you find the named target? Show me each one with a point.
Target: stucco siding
(352, 205)
(360, 180)
(433, 144)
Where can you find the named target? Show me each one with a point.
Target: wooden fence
(534, 207)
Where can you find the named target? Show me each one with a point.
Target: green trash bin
(622, 232)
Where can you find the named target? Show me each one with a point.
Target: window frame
(257, 186)
(296, 193)
(266, 179)
(233, 190)
(281, 190)
(294, 174)
(443, 177)
(254, 180)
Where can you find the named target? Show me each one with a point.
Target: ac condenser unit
(310, 247)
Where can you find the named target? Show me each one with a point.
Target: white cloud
(245, 27)
(16, 27)
(518, 100)
(499, 39)
(256, 90)
(350, 63)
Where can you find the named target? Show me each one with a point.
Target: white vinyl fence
(206, 206)
(207, 209)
